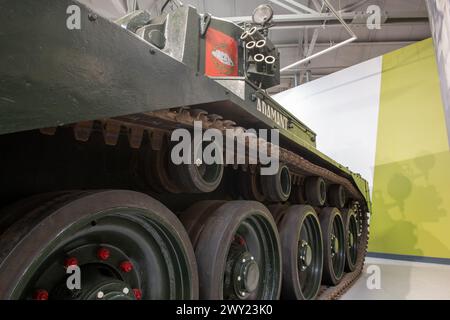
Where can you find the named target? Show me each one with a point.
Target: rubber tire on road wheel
(277, 187)
(289, 228)
(215, 240)
(336, 196)
(191, 180)
(278, 210)
(194, 181)
(194, 218)
(249, 185)
(315, 191)
(158, 174)
(350, 264)
(327, 217)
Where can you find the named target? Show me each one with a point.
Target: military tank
(91, 96)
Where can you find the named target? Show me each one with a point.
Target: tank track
(159, 123)
(333, 293)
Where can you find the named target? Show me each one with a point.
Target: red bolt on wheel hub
(126, 266)
(103, 254)
(40, 295)
(240, 240)
(72, 261)
(137, 294)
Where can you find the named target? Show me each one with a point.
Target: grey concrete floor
(401, 280)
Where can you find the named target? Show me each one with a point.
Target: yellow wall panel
(411, 196)
(411, 120)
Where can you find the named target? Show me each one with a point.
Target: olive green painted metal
(52, 76)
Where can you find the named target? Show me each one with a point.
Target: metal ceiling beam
(354, 44)
(310, 50)
(317, 5)
(317, 68)
(331, 24)
(347, 16)
(300, 17)
(291, 76)
(286, 6)
(352, 38)
(313, 42)
(301, 6)
(354, 6)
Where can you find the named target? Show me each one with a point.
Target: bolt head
(126, 266)
(40, 294)
(137, 294)
(103, 254)
(71, 261)
(126, 290)
(240, 240)
(100, 295)
(92, 17)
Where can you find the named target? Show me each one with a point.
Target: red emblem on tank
(221, 55)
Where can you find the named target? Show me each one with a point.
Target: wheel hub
(305, 255)
(246, 274)
(351, 240)
(334, 245)
(252, 267)
(109, 290)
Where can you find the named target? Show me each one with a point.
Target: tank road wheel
(333, 233)
(278, 211)
(199, 177)
(301, 245)
(195, 217)
(351, 233)
(159, 172)
(126, 245)
(238, 253)
(250, 186)
(336, 196)
(315, 191)
(277, 187)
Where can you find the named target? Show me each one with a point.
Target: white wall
(342, 109)
(440, 25)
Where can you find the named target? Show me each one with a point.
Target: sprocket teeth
(83, 130)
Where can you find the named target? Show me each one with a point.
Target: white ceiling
(407, 23)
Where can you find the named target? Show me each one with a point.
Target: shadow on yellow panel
(411, 207)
